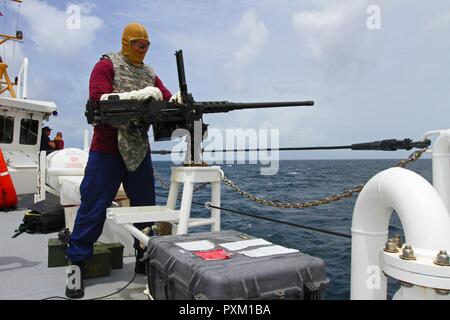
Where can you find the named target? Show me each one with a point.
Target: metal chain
(412, 158)
(307, 204)
(294, 205)
(166, 185)
(163, 182)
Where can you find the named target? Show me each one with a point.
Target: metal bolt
(408, 253)
(399, 241)
(442, 259)
(391, 246)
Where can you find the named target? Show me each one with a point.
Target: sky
(375, 69)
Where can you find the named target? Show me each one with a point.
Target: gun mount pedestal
(181, 219)
(189, 176)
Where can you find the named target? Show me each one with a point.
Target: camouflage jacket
(133, 145)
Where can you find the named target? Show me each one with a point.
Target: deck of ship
(24, 274)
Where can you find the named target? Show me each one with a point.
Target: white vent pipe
(424, 217)
(441, 164)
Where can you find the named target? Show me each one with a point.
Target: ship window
(6, 129)
(29, 131)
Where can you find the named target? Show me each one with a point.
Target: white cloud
(252, 35)
(439, 23)
(326, 32)
(12, 54)
(49, 31)
(86, 7)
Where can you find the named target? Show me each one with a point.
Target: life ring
(8, 196)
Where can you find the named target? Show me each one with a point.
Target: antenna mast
(5, 81)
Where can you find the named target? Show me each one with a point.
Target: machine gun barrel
(225, 106)
(181, 73)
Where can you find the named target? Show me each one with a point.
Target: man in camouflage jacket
(117, 155)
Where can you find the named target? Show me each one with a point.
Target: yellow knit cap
(133, 31)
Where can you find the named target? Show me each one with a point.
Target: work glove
(142, 94)
(176, 98)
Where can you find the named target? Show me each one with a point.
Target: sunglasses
(139, 45)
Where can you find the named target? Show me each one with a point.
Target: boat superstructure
(21, 122)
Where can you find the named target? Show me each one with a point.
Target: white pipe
(428, 134)
(19, 80)
(441, 166)
(424, 218)
(25, 78)
(22, 88)
(43, 173)
(135, 232)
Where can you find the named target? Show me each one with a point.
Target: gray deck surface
(24, 274)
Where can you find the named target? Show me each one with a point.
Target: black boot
(75, 280)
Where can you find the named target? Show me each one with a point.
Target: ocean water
(297, 181)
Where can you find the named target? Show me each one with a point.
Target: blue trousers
(103, 175)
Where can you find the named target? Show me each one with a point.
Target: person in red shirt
(59, 142)
(109, 162)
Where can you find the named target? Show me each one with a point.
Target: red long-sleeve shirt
(101, 82)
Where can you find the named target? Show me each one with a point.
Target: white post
(215, 201)
(41, 190)
(173, 195)
(185, 208)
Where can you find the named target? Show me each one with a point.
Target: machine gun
(166, 117)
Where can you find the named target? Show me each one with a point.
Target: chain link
(412, 158)
(160, 179)
(308, 204)
(293, 205)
